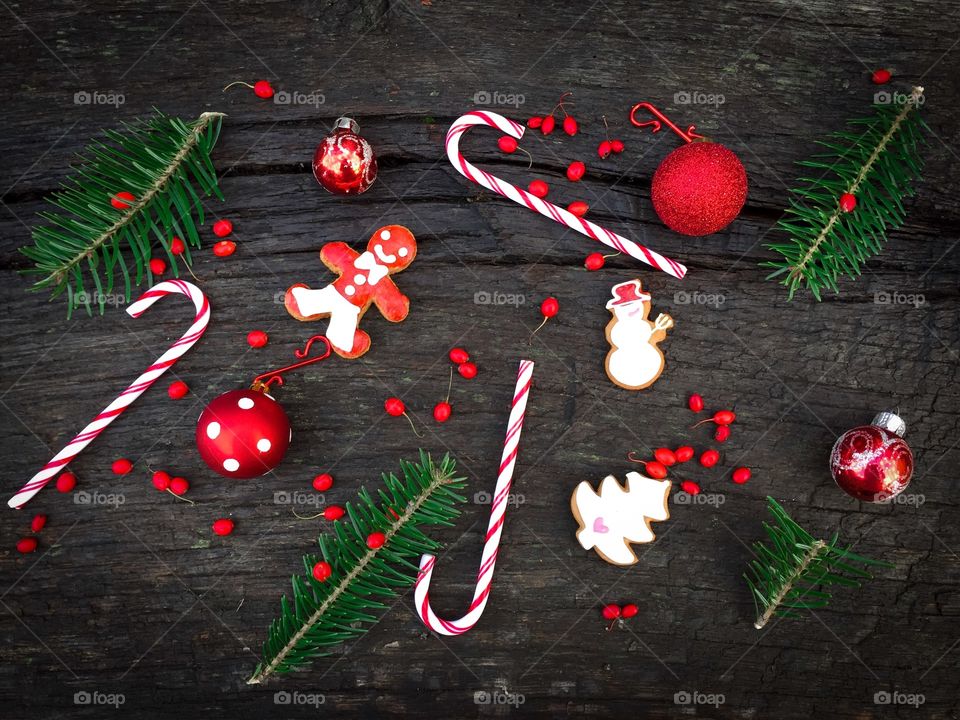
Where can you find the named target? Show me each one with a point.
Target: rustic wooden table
(136, 601)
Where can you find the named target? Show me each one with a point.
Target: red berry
(322, 571)
(535, 122)
(683, 453)
(459, 355)
(629, 611)
(122, 200)
(157, 266)
(538, 188)
(222, 228)
(467, 370)
(333, 512)
(570, 125)
(26, 545)
(550, 307)
(549, 122)
(709, 458)
(177, 247)
(507, 144)
(604, 148)
(724, 417)
(262, 89)
(257, 338)
(66, 482)
(594, 261)
(656, 470)
(442, 411)
(720, 417)
(578, 208)
(848, 202)
(38, 523)
(665, 456)
(224, 248)
(161, 480)
(695, 403)
(575, 171)
(616, 146)
(741, 475)
(222, 526)
(881, 76)
(322, 483)
(394, 406)
(121, 466)
(179, 485)
(177, 389)
(690, 487)
(722, 433)
(376, 540)
(611, 611)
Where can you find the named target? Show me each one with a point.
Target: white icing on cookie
(634, 361)
(616, 516)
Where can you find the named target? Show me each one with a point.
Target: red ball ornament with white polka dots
(245, 433)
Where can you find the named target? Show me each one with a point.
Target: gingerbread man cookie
(364, 280)
(616, 516)
(635, 361)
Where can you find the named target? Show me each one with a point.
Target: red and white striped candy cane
(136, 389)
(522, 197)
(491, 544)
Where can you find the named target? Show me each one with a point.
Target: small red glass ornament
(701, 186)
(245, 433)
(344, 163)
(872, 462)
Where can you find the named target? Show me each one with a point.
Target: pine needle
(165, 164)
(878, 163)
(790, 572)
(324, 614)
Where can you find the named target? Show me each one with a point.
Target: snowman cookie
(635, 360)
(364, 280)
(616, 516)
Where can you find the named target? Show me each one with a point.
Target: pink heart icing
(599, 527)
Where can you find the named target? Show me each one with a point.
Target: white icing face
(615, 516)
(381, 255)
(403, 252)
(384, 234)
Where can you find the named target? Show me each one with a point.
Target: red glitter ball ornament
(699, 188)
(344, 163)
(243, 434)
(872, 462)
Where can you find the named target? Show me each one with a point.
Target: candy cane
(136, 389)
(522, 197)
(491, 544)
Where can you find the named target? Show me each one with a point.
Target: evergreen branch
(877, 166)
(332, 611)
(786, 574)
(158, 160)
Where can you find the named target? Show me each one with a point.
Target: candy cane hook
(491, 545)
(548, 209)
(136, 388)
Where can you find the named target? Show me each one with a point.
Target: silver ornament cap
(345, 123)
(889, 420)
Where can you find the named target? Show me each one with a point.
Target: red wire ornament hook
(273, 376)
(688, 136)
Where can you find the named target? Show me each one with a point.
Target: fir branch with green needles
(877, 162)
(327, 613)
(165, 164)
(789, 574)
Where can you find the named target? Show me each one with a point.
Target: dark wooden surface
(141, 600)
